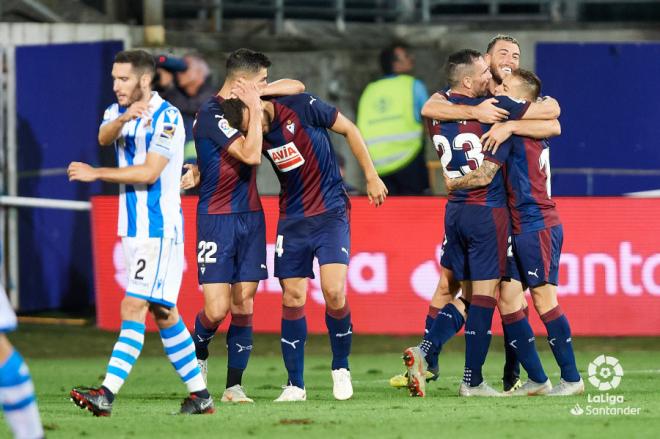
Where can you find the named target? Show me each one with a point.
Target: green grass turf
(62, 357)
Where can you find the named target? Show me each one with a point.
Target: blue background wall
(609, 94)
(62, 91)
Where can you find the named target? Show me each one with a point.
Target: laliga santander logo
(605, 373)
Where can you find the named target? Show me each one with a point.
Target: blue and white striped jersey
(151, 210)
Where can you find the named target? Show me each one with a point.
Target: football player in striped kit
(148, 136)
(16, 388)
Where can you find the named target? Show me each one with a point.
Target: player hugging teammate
(480, 250)
(314, 215)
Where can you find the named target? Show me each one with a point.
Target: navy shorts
(535, 256)
(476, 238)
(231, 248)
(326, 236)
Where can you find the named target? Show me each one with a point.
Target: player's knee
(335, 296)
(294, 297)
(243, 306)
(133, 309)
(216, 313)
(543, 302)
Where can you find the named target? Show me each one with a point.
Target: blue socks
(559, 338)
(124, 355)
(340, 332)
(432, 355)
(477, 337)
(520, 338)
(18, 399)
(203, 334)
(180, 350)
(294, 336)
(446, 324)
(239, 347)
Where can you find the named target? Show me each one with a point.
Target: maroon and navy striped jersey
(458, 146)
(227, 184)
(527, 176)
(299, 149)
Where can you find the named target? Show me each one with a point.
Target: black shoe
(194, 405)
(94, 400)
(511, 383)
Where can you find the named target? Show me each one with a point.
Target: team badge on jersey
(286, 157)
(224, 126)
(291, 126)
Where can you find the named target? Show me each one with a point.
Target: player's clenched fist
(137, 109)
(78, 171)
(191, 178)
(376, 191)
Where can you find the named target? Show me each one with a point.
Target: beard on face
(494, 71)
(136, 95)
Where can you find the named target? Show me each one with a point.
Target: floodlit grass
(63, 357)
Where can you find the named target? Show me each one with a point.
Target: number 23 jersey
(459, 148)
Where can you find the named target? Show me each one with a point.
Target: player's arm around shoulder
(438, 107)
(376, 190)
(544, 109)
(283, 87)
(482, 176)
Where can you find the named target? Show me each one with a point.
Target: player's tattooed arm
(283, 87)
(111, 131)
(376, 190)
(536, 129)
(481, 177)
(439, 108)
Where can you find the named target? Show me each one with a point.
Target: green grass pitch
(62, 357)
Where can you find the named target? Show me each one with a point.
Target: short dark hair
(530, 81)
(141, 61)
(387, 56)
(233, 109)
(246, 60)
(456, 63)
(501, 37)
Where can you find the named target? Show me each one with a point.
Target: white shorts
(155, 269)
(7, 314)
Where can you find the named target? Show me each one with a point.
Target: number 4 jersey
(299, 149)
(459, 148)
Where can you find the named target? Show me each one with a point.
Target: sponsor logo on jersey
(286, 157)
(224, 126)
